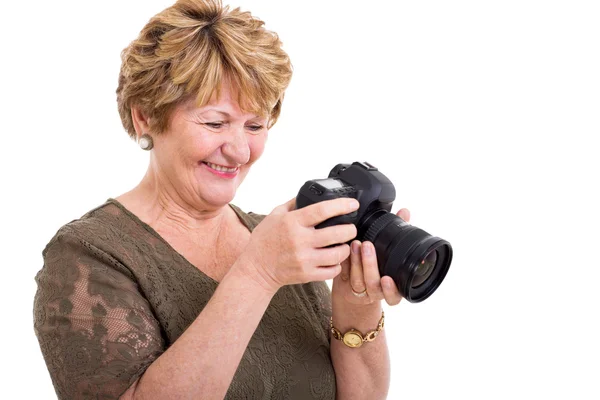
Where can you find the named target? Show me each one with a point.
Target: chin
(218, 199)
(220, 192)
(218, 196)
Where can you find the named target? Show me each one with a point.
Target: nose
(236, 146)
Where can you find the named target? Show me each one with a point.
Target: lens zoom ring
(378, 225)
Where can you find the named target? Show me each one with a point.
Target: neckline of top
(136, 219)
(238, 212)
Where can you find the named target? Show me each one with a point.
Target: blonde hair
(190, 49)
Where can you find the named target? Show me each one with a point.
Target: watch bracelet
(369, 337)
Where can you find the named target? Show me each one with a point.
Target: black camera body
(359, 180)
(417, 261)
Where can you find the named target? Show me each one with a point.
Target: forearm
(362, 372)
(203, 361)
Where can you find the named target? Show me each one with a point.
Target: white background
(485, 115)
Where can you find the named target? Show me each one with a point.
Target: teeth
(220, 168)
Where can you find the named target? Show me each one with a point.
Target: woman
(169, 291)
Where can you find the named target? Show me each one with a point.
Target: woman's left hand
(359, 282)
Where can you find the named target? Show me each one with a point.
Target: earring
(145, 142)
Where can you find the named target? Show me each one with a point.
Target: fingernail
(367, 249)
(353, 203)
(355, 247)
(386, 284)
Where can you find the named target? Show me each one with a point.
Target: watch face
(352, 339)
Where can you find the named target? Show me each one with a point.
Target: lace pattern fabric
(113, 296)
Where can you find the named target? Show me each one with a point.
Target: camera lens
(424, 269)
(417, 261)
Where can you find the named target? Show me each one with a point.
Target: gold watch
(353, 338)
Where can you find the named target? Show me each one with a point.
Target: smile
(220, 167)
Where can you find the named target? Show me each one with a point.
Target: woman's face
(191, 156)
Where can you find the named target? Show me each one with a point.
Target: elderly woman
(169, 291)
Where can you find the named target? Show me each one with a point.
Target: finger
(289, 205)
(390, 291)
(325, 273)
(316, 213)
(404, 213)
(371, 271)
(334, 235)
(345, 274)
(357, 281)
(331, 255)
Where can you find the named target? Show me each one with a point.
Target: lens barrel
(417, 261)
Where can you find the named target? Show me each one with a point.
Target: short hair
(190, 49)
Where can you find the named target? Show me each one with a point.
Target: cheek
(200, 146)
(257, 147)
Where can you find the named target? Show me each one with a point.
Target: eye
(255, 128)
(214, 125)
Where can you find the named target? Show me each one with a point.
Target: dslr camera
(417, 261)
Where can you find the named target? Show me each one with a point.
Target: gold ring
(358, 294)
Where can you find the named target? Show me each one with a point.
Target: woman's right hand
(285, 248)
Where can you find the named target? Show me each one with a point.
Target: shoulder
(250, 219)
(77, 228)
(94, 234)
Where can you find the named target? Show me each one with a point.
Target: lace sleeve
(96, 330)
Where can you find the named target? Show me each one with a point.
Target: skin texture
(187, 204)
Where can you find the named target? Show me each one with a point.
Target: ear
(140, 121)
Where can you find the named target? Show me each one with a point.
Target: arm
(203, 361)
(362, 372)
(98, 334)
(270, 261)
(102, 311)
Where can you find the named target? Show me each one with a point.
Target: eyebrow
(252, 116)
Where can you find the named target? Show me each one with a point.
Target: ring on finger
(358, 294)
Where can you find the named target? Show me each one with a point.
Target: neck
(165, 210)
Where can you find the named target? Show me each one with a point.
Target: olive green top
(113, 295)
